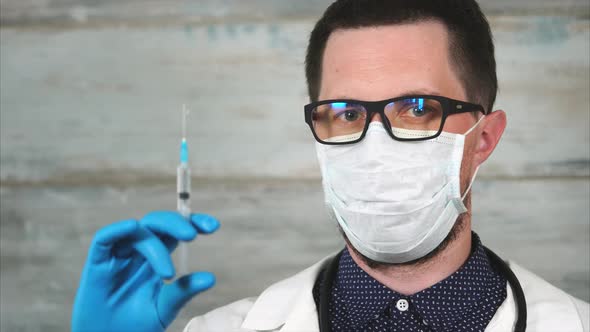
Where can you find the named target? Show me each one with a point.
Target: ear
(492, 127)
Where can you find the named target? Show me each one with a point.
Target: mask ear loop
(474, 126)
(470, 183)
(477, 168)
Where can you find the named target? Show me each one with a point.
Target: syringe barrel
(183, 189)
(183, 176)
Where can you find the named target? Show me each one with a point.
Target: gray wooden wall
(90, 98)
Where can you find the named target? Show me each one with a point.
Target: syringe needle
(185, 112)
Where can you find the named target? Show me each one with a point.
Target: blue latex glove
(122, 287)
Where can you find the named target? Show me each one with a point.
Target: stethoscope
(331, 268)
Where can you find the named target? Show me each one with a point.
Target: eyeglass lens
(412, 118)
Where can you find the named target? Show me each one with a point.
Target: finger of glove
(108, 236)
(169, 223)
(175, 295)
(205, 223)
(155, 252)
(170, 242)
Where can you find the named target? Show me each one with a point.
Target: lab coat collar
(288, 303)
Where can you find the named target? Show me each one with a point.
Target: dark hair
(471, 46)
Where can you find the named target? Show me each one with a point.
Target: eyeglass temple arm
(462, 107)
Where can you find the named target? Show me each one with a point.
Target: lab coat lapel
(303, 316)
(505, 317)
(288, 305)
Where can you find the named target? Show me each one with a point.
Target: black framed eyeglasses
(406, 118)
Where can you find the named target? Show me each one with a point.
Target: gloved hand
(122, 287)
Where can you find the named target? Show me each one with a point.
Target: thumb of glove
(174, 296)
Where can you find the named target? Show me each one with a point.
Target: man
(402, 94)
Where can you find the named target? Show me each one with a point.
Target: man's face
(378, 63)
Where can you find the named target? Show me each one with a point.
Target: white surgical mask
(395, 201)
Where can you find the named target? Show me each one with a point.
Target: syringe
(183, 189)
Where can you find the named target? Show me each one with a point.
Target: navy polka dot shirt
(465, 301)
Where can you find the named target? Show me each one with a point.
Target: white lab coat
(289, 306)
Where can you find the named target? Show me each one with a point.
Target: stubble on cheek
(467, 168)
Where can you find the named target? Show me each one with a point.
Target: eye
(351, 115)
(419, 111)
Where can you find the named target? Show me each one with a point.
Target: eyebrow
(406, 93)
(421, 92)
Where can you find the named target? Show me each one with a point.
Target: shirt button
(402, 305)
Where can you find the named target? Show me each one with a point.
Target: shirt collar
(362, 307)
